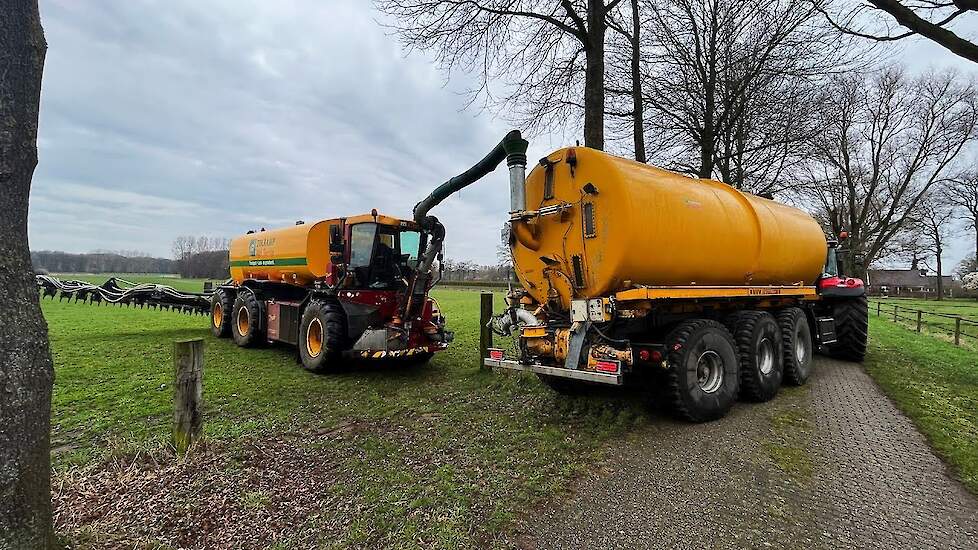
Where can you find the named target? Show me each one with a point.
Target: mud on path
(830, 465)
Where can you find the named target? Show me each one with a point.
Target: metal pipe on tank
(517, 181)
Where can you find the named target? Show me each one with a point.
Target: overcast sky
(167, 118)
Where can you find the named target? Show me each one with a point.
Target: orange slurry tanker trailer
(631, 274)
(354, 287)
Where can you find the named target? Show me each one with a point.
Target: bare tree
(933, 223)
(873, 19)
(624, 79)
(536, 45)
(963, 192)
(730, 84)
(885, 142)
(26, 370)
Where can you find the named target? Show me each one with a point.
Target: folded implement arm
(121, 292)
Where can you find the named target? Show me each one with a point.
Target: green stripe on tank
(272, 262)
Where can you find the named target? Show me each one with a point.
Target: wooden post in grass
(188, 405)
(879, 307)
(957, 331)
(485, 335)
(919, 322)
(895, 308)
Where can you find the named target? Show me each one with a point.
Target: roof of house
(903, 277)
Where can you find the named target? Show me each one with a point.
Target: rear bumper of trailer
(587, 376)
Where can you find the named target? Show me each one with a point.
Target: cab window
(362, 244)
(410, 247)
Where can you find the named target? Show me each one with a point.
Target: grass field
(942, 325)
(936, 385)
(443, 455)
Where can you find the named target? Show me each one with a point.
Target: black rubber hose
(512, 144)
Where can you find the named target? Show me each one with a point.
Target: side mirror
(336, 244)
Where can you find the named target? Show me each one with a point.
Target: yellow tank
(296, 255)
(627, 223)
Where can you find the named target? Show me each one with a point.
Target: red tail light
(496, 354)
(607, 366)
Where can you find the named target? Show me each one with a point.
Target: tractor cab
(833, 281)
(383, 256)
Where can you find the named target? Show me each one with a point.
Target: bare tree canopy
(933, 224)
(963, 192)
(551, 53)
(885, 141)
(26, 370)
(927, 18)
(730, 85)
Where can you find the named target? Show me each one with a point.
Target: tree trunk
(26, 371)
(594, 76)
(638, 105)
(940, 271)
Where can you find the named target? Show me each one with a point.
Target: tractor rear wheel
(851, 329)
(758, 338)
(246, 322)
(796, 346)
(703, 370)
(222, 304)
(322, 336)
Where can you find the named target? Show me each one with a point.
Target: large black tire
(702, 376)
(322, 336)
(222, 304)
(247, 326)
(565, 386)
(796, 346)
(851, 329)
(758, 338)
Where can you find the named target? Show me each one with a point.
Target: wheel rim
(218, 317)
(765, 356)
(801, 350)
(709, 371)
(314, 338)
(244, 321)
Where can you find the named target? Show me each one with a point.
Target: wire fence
(959, 329)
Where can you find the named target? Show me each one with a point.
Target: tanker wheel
(702, 375)
(565, 386)
(758, 338)
(222, 304)
(796, 346)
(851, 329)
(246, 320)
(322, 336)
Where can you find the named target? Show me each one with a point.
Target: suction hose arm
(512, 147)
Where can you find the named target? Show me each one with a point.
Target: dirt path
(831, 465)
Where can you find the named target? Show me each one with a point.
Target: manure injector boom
(353, 287)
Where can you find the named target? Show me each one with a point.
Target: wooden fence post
(895, 307)
(188, 406)
(485, 335)
(919, 315)
(879, 308)
(957, 331)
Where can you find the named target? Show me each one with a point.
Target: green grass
(937, 325)
(449, 456)
(936, 385)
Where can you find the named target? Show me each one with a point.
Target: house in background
(905, 282)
